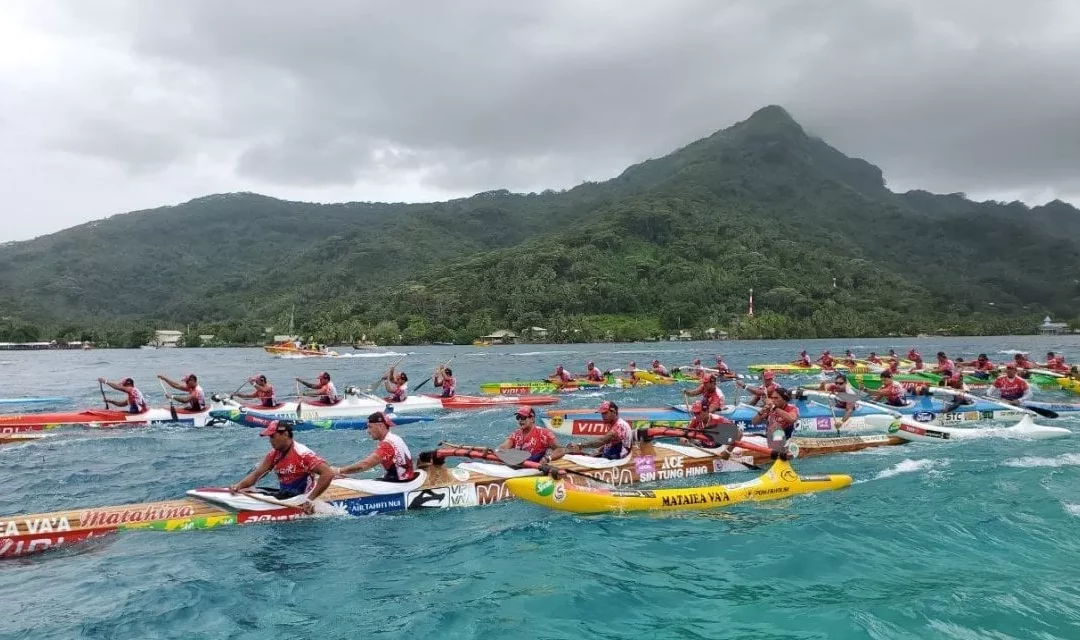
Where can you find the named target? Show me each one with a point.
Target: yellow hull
(780, 481)
(649, 376)
(1069, 385)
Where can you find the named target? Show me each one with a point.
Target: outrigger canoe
(814, 419)
(1069, 384)
(1025, 429)
(289, 349)
(779, 482)
(254, 419)
(794, 369)
(468, 484)
(527, 387)
(483, 402)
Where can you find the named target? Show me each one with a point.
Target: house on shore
(1048, 328)
(502, 336)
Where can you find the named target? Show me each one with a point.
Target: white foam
(1064, 460)
(1073, 509)
(906, 466)
(540, 353)
(1012, 352)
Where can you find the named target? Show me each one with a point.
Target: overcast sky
(114, 105)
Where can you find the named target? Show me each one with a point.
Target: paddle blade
(847, 397)
(723, 434)
(512, 457)
(1046, 413)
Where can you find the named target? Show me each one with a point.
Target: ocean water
(955, 540)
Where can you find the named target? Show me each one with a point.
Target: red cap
(274, 427)
(524, 412)
(604, 406)
(696, 408)
(768, 375)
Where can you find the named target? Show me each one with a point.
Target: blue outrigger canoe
(258, 420)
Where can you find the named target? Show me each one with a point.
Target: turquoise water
(967, 540)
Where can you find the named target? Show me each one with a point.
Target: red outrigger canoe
(480, 402)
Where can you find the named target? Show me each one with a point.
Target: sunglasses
(522, 418)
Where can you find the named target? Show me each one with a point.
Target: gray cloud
(340, 100)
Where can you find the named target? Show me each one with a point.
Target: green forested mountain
(672, 242)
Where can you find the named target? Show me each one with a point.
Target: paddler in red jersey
(708, 391)
(135, 402)
(1021, 361)
(891, 391)
(535, 440)
(703, 418)
(322, 388)
(760, 394)
(397, 385)
(561, 377)
(778, 414)
(944, 364)
(955, 380)
(919, 365)
(981, 366)
(912, 354)
(444, 379)
(631, 371)
(592, 374)
(826, 360)
(840, 384)
(195, 399)
(1011, 387)
(660, 369)
(873, 358)
(618, 441)
(803, 360)
(849, 359)
(299, 469)
(391, 453)
(263, 392)
(1056, 362)
(697, 369)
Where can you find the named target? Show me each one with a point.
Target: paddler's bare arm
(362, 465)
(171, 383)
(112, 385)
(326, 476)
(253, 477)
(595, 444)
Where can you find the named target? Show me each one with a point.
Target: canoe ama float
(779, 482)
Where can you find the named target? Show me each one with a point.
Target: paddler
(397, 385)
(1011, 387)
(561, 377)
(391, 452)
(918, 366)
(873, 358)
(722, 369)
(892, 355)
(592, 374)
(263, 392)
(778, 414)
(537, 441)
(618, 441)
(891, 391)
(710, 394)
(840, 384)
(912, 354)
(631, 371)
(697, 369)
(195, 399)
(296, 467)
(894, 366)
(803, 360)
(760, 394)
(322, 388)
(660, 369)
(703, 418)
(1056, 362)
(826, 360)
(135, 401)
(849, 359)
(1021, 361)
(944, 364)
(955, 380)
(982, 366)
(444, 379)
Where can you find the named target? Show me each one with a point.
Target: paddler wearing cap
(659, 369)
(397, 385)
(299, 469)
(135, 401)
(710, 395)
(617, 442)
(444, 379)
(195, 399)
(323, 388)
(535, 440)
(761, 393)
(1011, 387)
(264, 391)
(838, 385)
(803, 360)
(391, 452)
(561, 377)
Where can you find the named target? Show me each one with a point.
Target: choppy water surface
(967, 540)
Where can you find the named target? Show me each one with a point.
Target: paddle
(429, 378)
(371, 387)
(724, 434)
(101, 385)
(1046, 413)
(299, 402)
(172, 407)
